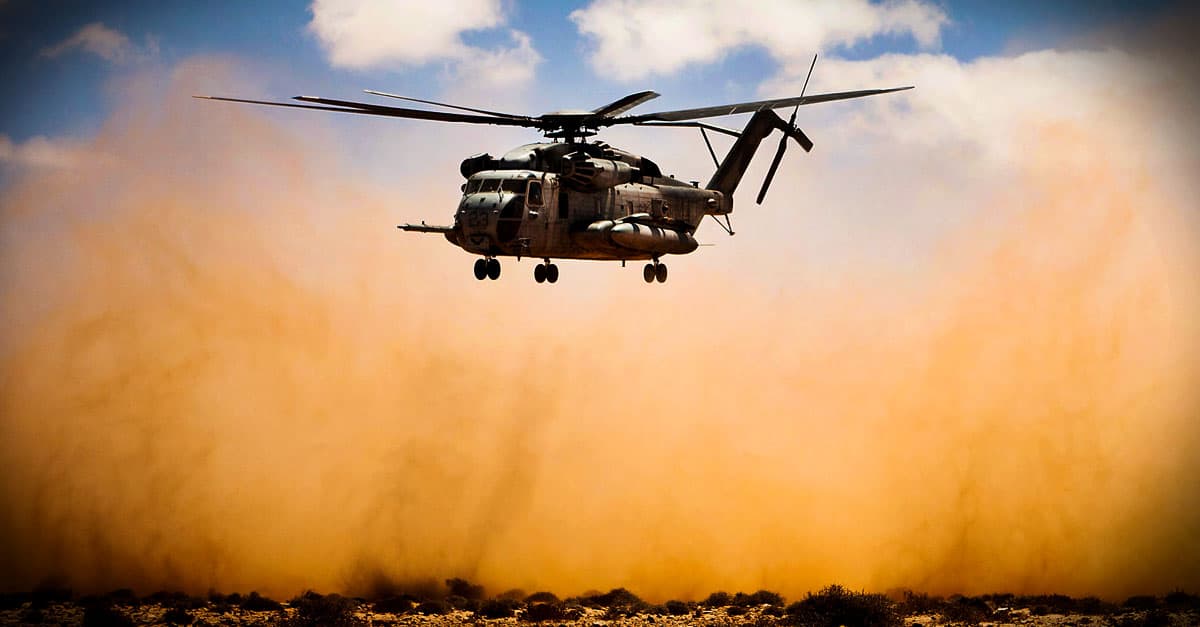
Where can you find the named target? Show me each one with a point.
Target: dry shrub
(835, 605)
(465, 589)
(258, 603)
(332, 610)
(542, 612)
(542, 597)
(433, 607)
(177, 616)
(717, 599)
(498, 608)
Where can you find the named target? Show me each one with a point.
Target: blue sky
(65, 94)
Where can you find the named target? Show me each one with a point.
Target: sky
(954, 351)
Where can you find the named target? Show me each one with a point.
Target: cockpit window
(534, 197)
(490, 185)
(473, 186)
(516, 186)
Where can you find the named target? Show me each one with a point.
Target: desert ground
(464, 604)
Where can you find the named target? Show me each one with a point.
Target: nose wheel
(655, 272)
(487, 268)
(545, 272)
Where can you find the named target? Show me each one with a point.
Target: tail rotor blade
(802, 139)
(762, 192)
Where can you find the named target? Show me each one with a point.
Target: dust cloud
(223, 368)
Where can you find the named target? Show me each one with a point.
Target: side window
(534, 197)
(563, 209)
(473, 186)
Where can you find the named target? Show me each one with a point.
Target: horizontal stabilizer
(425, 228)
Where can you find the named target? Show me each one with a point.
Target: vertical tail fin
(729, 173)
(733, 167)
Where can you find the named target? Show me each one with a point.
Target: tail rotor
(789, 130)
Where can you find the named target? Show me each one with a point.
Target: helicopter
(575, 198)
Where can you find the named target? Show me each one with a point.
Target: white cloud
(104, 42)
(638, 38)
(39, 152)
(362, 34)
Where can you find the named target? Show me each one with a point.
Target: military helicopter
(571, 198)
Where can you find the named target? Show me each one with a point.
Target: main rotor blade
(750, 107)
(418, 114)
(617, 107)
(762, 191)
(449, 106)
(394, 112)
(702, 125)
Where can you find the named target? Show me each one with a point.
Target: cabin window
(473, 186)
(563, 208)
(489, 185)
(516, 186)
(534, 197)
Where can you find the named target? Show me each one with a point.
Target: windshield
(514, 186)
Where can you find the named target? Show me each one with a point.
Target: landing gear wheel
(481, 267)
(539, 273)
(552, 273)
(660, 273)
(648, 273)
(493, 269)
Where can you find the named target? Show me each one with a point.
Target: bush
(762, 597)
(541, 612)
(969, 610)
(177, 616)
(465, 589)
(315, 609)
(176, 599)
(122, 596)
(462, 603)
(104, 615)
(1049, 604)
(1093, 606)
(46, 593)
(258, 603)
(915, 603)
(678, 608)
(13, 601)
(498, 608)
(541, 597)
(395, 604)
(1182, 600)
(1141, 602)
(716, 599)
(516, 594)
(617, 597)
(834, 606)
(433, 607)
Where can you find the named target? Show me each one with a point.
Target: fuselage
(561, 214)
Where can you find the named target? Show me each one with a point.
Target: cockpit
(527, 186)
(483, 185)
